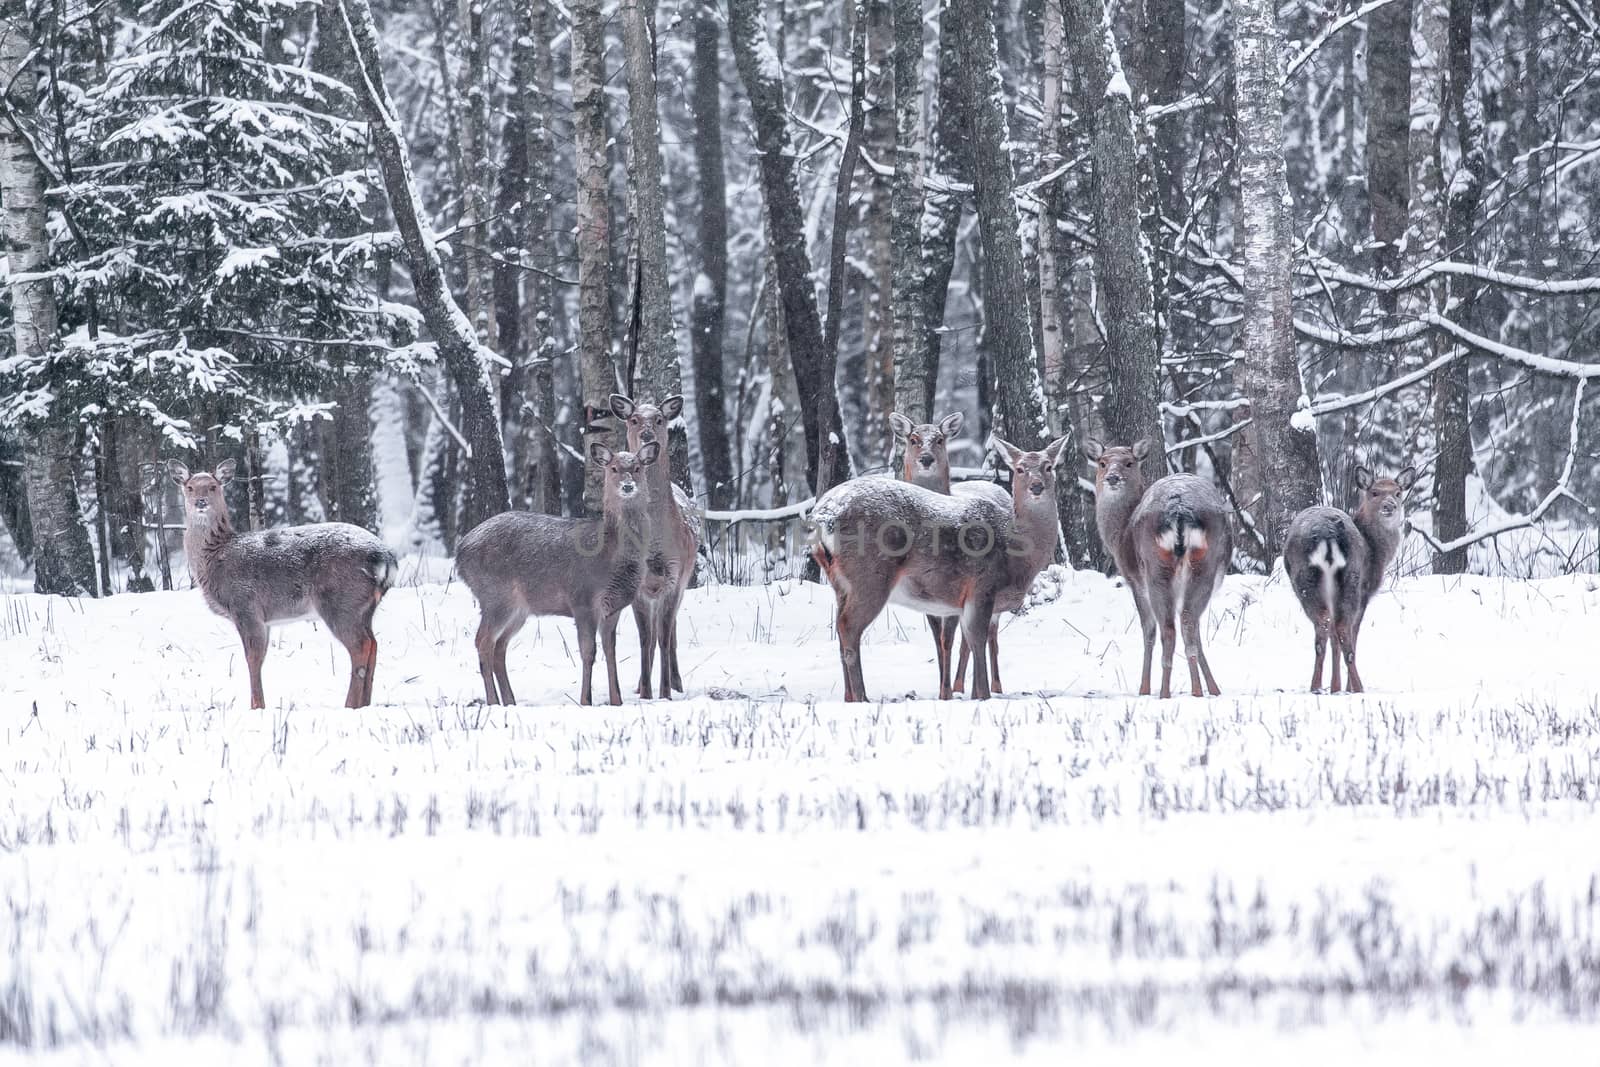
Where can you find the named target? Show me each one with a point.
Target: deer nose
(1114, 480)
(925, 460)
(646, 436)
(627, 488)
(1036, 488)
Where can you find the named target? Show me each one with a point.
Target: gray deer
(927, 463)
(1336, 562)
(1171, 544)
(332, 569)
(674, 540)
(879, 540)
(520, 563)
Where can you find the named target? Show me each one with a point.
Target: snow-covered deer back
(879, 541)
(1336, 562)
(1171, 543)
(332, 570)
(520, 563)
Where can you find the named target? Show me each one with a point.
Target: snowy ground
(764, 874)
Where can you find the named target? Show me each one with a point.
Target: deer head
(1033, 474)
(644, 421)
(623, 471)
(203, 502)
(1383, 499)
(927, 447)
(1118, 469)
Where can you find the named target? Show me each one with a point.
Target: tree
(711, 284)
(468, 361)
(656, 373)
(942, 207)
(1283, 431)
(1007, 316)
(62, 559)
(827, 459)
(913, 387)
(595, 365)
(1122, 265)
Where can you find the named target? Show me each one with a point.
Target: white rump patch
(1327, 558)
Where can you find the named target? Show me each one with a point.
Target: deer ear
(1407, 478)
(901, 425)
(672, 407)
(649, 453)
(1093, 449)
(1141, 449)
(598, 452)
(621, 407)
(1054, 450)
(224, 471)
(1010, 454)
(177, 471)
(950, 425)
(1363, 478)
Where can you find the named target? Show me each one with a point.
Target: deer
(1336, 562)
(521, 563)
(1171, 543)
(927, 463)
(675, 539)
(880, 541)
(261, 578)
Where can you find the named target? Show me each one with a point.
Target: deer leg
(1164, 613)
(677, 675)
(975, 619)
(667, 636)
(1348, 632)
(941, 654)
(644, 617)
(1147, 626)
(1320, 643)
(608, 643)
(586, 648)
(994, 655)
(253, 635)
(856, 610)
(1195, 597)
(501, 644)
(959, 684)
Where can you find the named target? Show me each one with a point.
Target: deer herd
(960, 554)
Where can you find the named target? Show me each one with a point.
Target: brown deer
(1171, 544)
(1336, 562)
(519, 563)
(880, 540)
(927, 463)
(674, 540)
(334, 570)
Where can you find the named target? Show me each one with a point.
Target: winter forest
(393, 257)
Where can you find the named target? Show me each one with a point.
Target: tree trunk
(657, 375)
(1077, 524)
(1284, 436)
(347, 456)
(813, 370)
(711, 285)
(1122, 268)
(474, 166)
(844, 181)
(63, 562)
(467, 360)
(913, 392)
(14, 498)
(1451, 385)
(943, 205)
(1007, 314)
(595, 366)
(1388, 134)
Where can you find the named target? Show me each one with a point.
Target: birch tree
(913, 385)
(711, 283)
(595, 366)
(1283, 433)
(63, 562)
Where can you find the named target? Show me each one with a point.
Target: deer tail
(1328, 558)
(385, 569)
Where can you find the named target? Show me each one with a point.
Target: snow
(1118, 86)
(761, 873)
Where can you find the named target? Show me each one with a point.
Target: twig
(438, 413)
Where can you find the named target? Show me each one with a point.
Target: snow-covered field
(763, 874)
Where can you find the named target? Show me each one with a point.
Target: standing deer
(1336, 563)
(1171, 543)
(674, 540)
(927, 463)
(337, 571)
(880, 540)
(519, 563)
